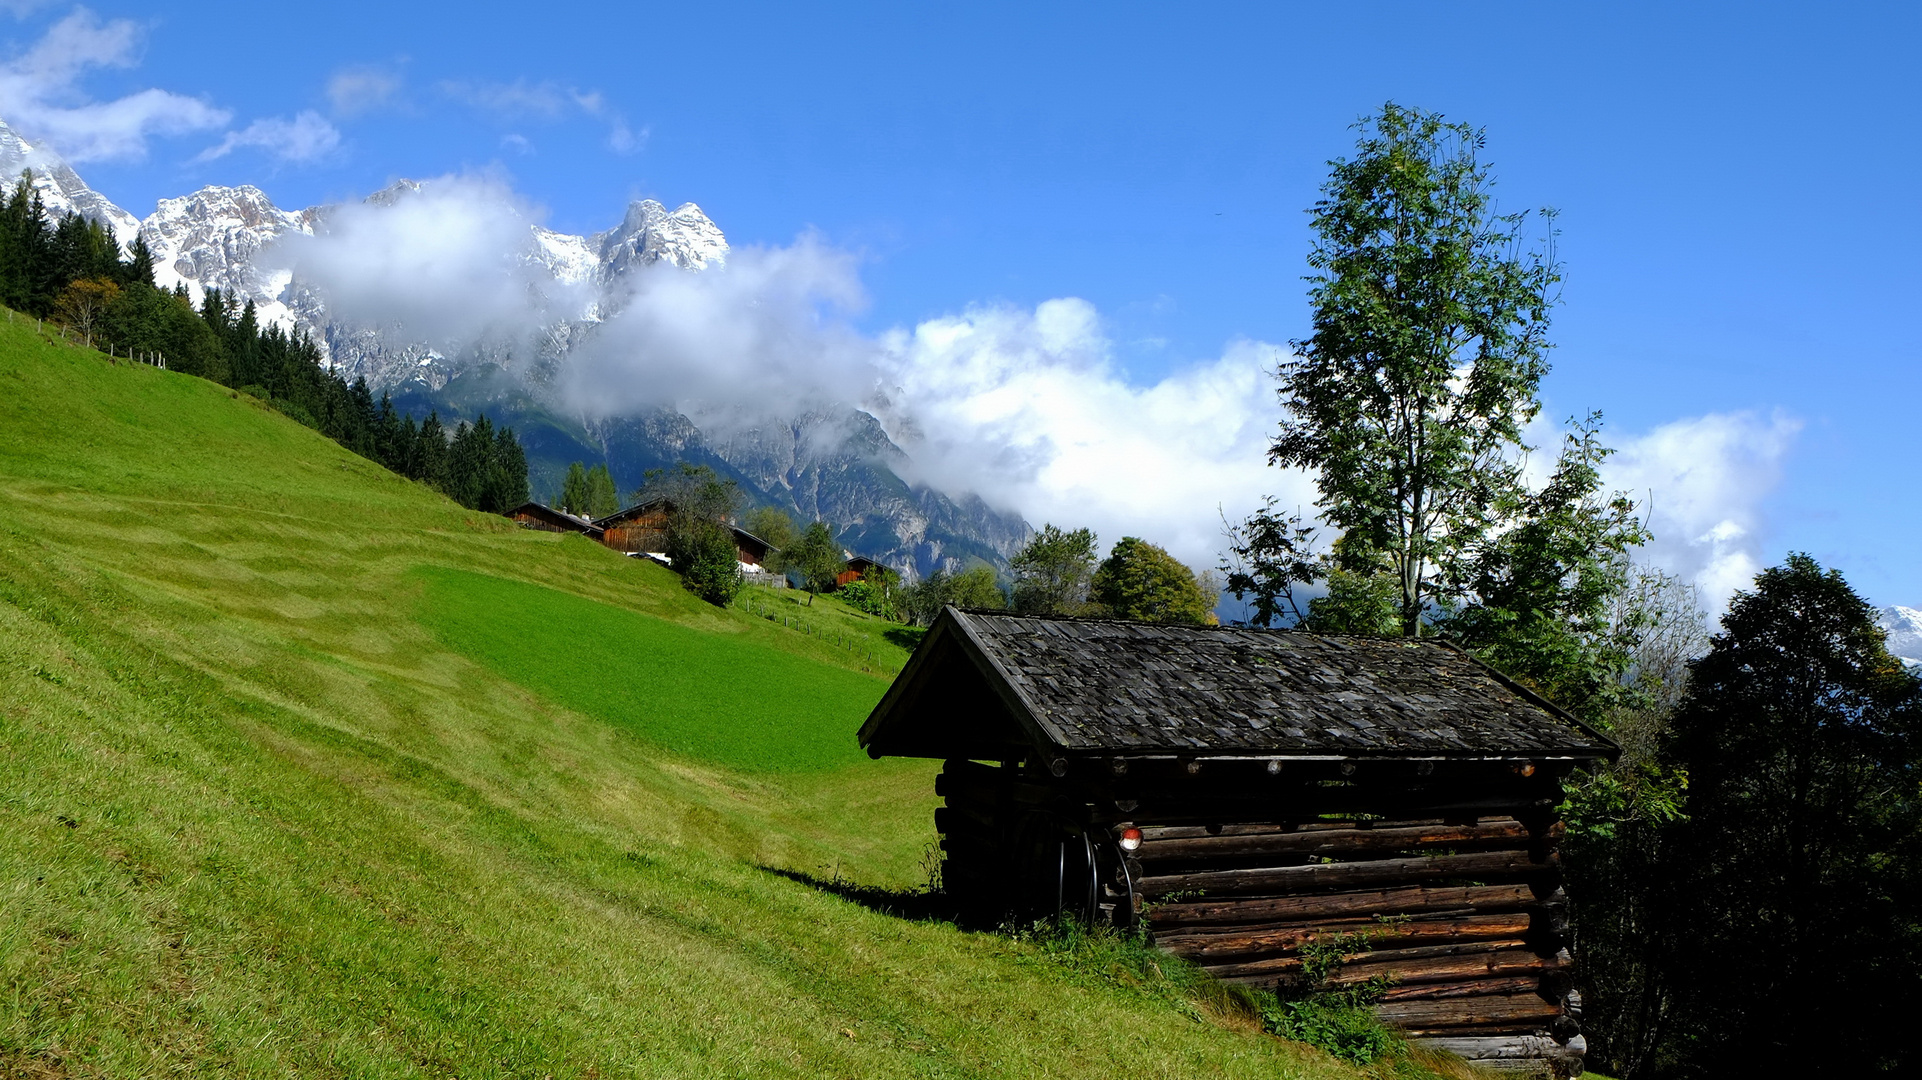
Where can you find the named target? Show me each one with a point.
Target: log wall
(1461, 914)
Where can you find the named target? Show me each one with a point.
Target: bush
(1349, 1032)
(708, 563)
(868, 596)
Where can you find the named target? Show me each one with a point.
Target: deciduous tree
(1141, 581)
(817, 558)
(1429, 342)
(1798, 871)
(1052, 572)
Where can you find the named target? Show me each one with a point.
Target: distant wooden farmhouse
(1244, 792)
(856, 569)
(638, 528)
(643, 528)
(533, 515)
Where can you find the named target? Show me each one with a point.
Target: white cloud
(40, 93)
(1703, 482)
(624, 140)
(450, 262)
(547, 100)
(1025, 407)
(307, 137)
(763, 331)
(1028, 408)
(362, 89)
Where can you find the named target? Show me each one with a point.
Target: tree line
(1747, 878)
(74, 272)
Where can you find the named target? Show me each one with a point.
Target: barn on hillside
(638, 528)
(857, 568)
(1246, 791)
(643, 527)
(533, 515)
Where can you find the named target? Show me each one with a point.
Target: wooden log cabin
(533, 515)
(643, 528)
(1243, 792)
(857, 568)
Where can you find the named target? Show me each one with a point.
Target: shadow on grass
(917, 904)
(905, 636)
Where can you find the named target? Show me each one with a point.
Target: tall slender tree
(1429, 342)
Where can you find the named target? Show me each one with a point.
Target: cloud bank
(1026, 407)
(1703, 482)
(450, 262)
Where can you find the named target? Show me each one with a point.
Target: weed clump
(1315, 1009)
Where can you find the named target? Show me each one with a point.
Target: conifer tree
(575, 498)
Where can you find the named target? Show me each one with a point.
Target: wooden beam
(1204, 944)
(1318, 876)
(1410, 900)
(1505, 832)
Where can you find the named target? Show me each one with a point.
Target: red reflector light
(1130, 839)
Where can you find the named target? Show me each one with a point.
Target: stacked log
(1457, 911)
(1461, 920)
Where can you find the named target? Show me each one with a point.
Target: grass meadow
(307, 771)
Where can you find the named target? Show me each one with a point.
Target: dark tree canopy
(1797, 875)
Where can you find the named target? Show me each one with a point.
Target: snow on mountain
(61, 189)
(651, 233)
(1903, 625)
(212, 238)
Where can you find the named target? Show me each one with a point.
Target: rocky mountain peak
(61, 189)
(212, 238)
(651, 233)
(1903, 625)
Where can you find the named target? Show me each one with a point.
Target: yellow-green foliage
(267, 811)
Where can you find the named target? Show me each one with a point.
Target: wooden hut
(750, 549)
(533, 515)
(1244, 792)
(639, 528)
(856, 569)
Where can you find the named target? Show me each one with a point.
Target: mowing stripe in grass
(731, 702)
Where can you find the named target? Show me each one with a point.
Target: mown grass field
(306, 771)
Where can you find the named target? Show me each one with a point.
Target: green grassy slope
(276, 799)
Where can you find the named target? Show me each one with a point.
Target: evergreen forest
(72, 271)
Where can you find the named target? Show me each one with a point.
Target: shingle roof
(1118, 687)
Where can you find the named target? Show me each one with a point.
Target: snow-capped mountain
(61, 189)
(212, 238)
(829, 462)
(1903, 625)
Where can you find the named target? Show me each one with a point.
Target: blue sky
(1737, 183)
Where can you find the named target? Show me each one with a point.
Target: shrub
(1349, 1032)
(868, 596)
(708, 563)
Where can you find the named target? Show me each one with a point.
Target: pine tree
(140, 263)
(430, 459)
(575, 498)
